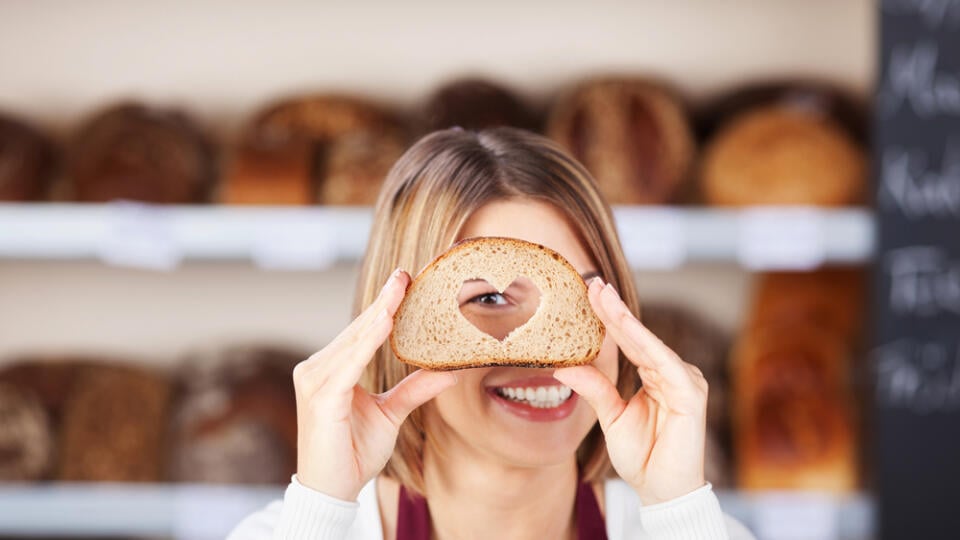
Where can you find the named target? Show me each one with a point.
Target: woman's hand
(344, 434)
(655, 439)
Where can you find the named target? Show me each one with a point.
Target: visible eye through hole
(498, 313)
(491, 299)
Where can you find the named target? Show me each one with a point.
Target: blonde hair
(425, 200)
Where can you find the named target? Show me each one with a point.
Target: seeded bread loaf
(430, 331)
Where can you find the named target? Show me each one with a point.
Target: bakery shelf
(197, 511)
(182, 511)
(654, 237)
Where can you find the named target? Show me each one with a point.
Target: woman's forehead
(533, 221)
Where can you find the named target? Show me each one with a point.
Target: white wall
(223, 58)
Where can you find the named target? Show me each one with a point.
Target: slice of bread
(431, 332)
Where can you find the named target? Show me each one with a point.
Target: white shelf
(195, 511)
(161, 237)
(181, 511)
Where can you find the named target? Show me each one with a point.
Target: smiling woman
(386, 450)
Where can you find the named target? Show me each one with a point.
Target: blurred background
(185, 193)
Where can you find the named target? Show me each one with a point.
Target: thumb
(596, 389)
(414, 390)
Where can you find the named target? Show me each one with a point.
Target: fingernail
(595, 280)
(610, 288)
(390, 279)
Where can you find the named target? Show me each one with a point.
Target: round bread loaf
(698, 342)
(133, 152)
(817, 97)
(475, 103)
(336, 149)
(431, 332)
(27, 162)
(26, 438)
(235, 418)
(777, 155)
(50, 379)
(633, 136)
(114, 425)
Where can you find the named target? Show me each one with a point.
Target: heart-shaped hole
(498, 313)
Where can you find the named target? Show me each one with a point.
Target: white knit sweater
(305, 513)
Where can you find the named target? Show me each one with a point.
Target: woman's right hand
(345, 435)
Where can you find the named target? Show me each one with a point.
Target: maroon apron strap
(413, 516)
(590, 524)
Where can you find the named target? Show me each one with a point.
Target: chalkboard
(916, 354)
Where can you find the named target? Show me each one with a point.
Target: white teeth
(541, 397)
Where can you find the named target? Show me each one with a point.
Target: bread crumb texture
(430, 331)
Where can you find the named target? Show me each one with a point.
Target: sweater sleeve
(304, 513)
(696, 515)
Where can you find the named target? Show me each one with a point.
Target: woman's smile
(538, 399)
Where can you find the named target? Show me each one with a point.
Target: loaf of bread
(42, 386)
(795, 422)
(114, 425)
(336, 148)
(50, 379)
(777, 155)
(130, 151)
(356, 165)
(235, 418)
(833, 298)
(431, 332)
(475, 103)
(270, 175)
(633, 136)
(27, 162)
(816, 97)
(26, 436)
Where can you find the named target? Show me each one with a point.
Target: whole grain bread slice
(430, 331)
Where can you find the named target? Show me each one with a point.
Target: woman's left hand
(655, 439)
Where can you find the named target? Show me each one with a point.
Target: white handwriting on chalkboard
(923, 281)
(922, 377)
(933, 12)
(910, 185)
(912, 77)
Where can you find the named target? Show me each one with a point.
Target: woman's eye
(492, 299)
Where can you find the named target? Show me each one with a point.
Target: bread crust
(511, 244)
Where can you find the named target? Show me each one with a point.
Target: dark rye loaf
(430, 331)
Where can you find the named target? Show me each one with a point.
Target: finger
(596, 389)
(391, 294)
(389, 298)
(359, 352)
(413, 391)
(639, 345)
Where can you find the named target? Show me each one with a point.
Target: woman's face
(478, 414)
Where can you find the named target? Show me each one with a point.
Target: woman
(389, 451)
